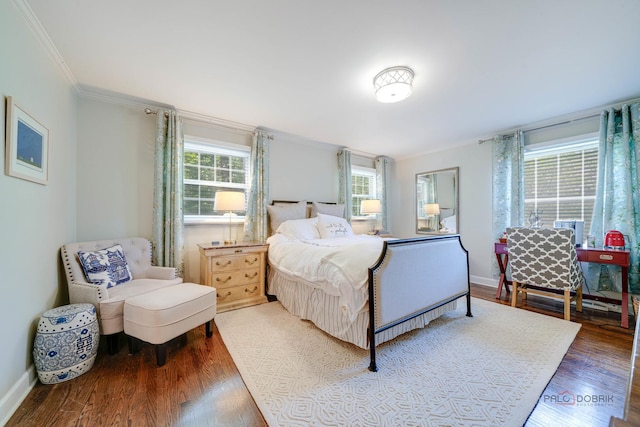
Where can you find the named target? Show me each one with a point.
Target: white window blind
(560, 182)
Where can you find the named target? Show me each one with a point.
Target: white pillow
(333, 226)
(327, 209)
(281, 213)
(303, 229)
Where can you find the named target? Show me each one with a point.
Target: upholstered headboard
(283, 210)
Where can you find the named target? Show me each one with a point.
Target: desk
(600, 256)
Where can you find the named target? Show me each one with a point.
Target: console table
(617, 257)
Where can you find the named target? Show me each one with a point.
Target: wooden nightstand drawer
(237, 293)
(235, 262)
(229, 279)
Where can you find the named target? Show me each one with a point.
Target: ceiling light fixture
(393, 84)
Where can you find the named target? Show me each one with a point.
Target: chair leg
(112, 344)
(567, 304)
(579, 299)
(209, 328)
(514, 293)
(161, 354)
(134, 345)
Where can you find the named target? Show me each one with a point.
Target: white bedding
(338, 266)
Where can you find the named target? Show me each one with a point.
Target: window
(560, 181)
(210, 166)
(363, 187)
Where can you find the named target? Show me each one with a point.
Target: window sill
(213, 221)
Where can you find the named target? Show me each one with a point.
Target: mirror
(437, 202)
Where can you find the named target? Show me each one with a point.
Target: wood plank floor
(200, 385)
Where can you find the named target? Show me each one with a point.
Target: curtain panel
(344, 182)
(382, 164)
(255, 222)
(507, 153)
(168, 220)
(617, 205)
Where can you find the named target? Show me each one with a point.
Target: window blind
(561, 183)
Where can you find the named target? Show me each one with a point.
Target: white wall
(303, 170)
(474, 161)
(35, 220)
(115, 170)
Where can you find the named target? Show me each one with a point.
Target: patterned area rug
(487, 370)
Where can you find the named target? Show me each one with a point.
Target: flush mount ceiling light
(393, 84)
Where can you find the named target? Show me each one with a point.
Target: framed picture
(27, 145)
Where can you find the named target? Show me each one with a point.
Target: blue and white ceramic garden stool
(66, 342)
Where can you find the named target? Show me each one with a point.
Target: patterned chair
(545, 258)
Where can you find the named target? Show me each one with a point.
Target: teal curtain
(168, 220)
(507, 155)
(382, 164)
(617, 205)
(255, 222)
(344, 182)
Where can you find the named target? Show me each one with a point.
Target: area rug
(487, 370)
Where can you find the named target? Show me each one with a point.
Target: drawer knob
(251, 262)
(218, 263)
(250, 292)
(223, 280)
(255, 273)
(221, 297)
(606, 257)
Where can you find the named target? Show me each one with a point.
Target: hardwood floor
(200, 385)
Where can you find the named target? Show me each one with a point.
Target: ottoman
(66, 342)
(159, 316)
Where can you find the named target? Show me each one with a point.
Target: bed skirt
(310, 303)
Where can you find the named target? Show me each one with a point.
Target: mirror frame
(456, 202)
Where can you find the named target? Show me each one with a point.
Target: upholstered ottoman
(66, 342)
(159, 316)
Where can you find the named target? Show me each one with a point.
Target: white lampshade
(370, 207)
(432, 209)
(393, 84)
(229, 201)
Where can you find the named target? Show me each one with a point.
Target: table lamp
(432, 210)
(371, 208)
(229, 201)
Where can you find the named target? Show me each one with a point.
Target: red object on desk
(601, 256)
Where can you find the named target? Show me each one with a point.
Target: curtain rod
(204, 119)
(150, 111)
(482, 141)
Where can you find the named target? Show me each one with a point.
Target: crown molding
(38, 30)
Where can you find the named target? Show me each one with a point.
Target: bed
(361, 289)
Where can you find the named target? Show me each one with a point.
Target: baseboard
(14, 397)
(484, 281)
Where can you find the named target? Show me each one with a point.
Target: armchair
(542, 258)
(109, 301)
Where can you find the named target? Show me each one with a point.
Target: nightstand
(237, 271)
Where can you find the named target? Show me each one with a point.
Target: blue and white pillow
(106, 266)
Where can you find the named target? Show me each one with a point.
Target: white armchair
(109, 302)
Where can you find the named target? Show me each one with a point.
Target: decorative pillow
(106, 266)
(333, 226)
(327, 209)
(303, 229)
(281, 213)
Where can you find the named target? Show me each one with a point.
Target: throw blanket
(338, 266)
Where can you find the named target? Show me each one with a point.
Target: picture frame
(26, 145)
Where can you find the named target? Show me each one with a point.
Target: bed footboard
(412, 277)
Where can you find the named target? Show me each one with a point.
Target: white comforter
(338, 266)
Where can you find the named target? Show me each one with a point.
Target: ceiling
(306, 68)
